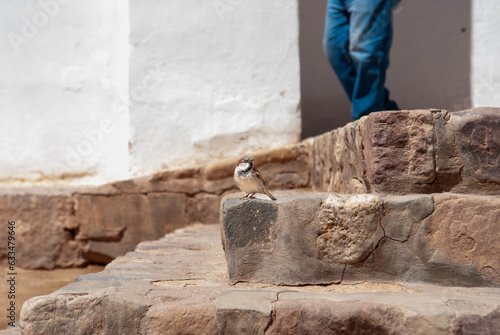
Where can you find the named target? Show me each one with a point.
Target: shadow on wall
(430, 62)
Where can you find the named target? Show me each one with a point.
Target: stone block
(314, 315)
(44, 229)
(399, 149)
(115, 225)
(477, 138)
(329, 317)
(465, 229)
(102, 313)
(272, 241)
(243, 312)
(326, 238)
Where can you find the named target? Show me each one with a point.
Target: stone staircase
(400, 235)
(385, 221)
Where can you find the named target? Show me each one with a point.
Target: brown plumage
(249, 179)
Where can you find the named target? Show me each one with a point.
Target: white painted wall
(228, 80)
(485, 53)
(94, 91)
(63, 67)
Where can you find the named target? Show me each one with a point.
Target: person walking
(357, 41)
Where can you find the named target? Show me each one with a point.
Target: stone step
(178, 285)
(412, 151)
(324, 238)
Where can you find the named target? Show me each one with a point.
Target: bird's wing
(260, 176)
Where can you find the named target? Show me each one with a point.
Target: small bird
(249, 179)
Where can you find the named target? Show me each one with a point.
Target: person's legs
(370, 41)
(336, 44)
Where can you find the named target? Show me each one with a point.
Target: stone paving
(179, 285)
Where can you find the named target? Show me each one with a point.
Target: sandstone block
(327, 238)
(477, 138)
(105, 313)
(399, 148)
(328, 317)
(115, 225)
(271, 242)
(243, 312)
(465, 229)
(350, 228)
(44, 228)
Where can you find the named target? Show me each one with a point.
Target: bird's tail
(270, 195)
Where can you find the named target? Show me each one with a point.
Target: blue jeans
(358, 36)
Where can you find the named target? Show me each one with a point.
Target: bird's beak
(251, 160)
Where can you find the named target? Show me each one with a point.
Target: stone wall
(419, 151)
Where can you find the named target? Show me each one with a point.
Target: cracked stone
(323, 238)
(402, 213)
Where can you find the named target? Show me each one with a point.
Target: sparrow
(249, 180)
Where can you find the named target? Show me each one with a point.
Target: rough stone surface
(115, 225)
(443, 239)
(178, 285)
(399, 148)
(416, 151)
(478, 145)
(43, 229)
(350, 228)
(466, 230)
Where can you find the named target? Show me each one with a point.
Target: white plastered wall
(63, 68)
(95, 91)
(485, 67)
(227, 80)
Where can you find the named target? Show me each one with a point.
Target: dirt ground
(31, 283)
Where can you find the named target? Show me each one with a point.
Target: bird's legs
(248, 196)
